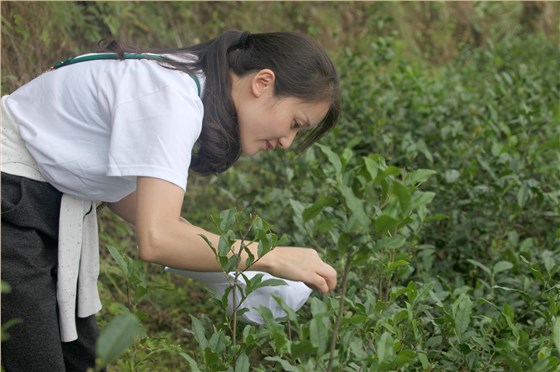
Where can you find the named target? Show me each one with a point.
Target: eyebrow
(307, 122)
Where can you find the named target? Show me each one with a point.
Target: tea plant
(125, 333)
(381, 210)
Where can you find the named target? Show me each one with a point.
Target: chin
(249, 152)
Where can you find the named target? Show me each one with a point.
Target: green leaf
(343, 243)
(372, 168)
(333, 158)
(385, 223)
(323, 201)
(556, 333)
(402, 194)
(478, 264)
(250, 256)
(119, 259)
(501, 266)
(385, 350)
(117, 337)
(422, 293)
(242, 363)
(391, 171)
(318, 334)
(286, 366)
(462, 310)
(271, 283)
(395, 265)
(404, 357)
(486, 167)
(355, 205)
(5, 335)
(192, 363)
(393, 242)
(223, 247)
(209, 244)
(287, 309)
(420, 199)
(523, 195)
(217, 342)
(253, 282)
(509, 317)
(419, 176)
(300, 348)
(199, 333)
(424, 361)
(347, 155)
(317, 306)
(232, 263)
(210, 357)
(227, 219)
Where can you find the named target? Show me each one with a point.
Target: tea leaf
(355, 205)
(242, 363)
(199, 333)
(556, 334)
(419, 176)
(385, 223)
(385, 350)
(117, 337)
(424, 360)
(227, 219)
(402, 194)
(193, 365)
(322, 202)
(333, 158)
(318, 334)
(286, 366)
(119, 260)
(217, 342)
(462, 310)
(501, 266)
(395, 265)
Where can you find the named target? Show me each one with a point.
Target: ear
(262, 83)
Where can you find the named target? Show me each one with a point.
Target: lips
(269, 146)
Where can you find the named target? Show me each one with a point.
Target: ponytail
(218, 145)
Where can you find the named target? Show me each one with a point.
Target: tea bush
(469, 281)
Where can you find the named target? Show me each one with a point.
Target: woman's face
(267, 122)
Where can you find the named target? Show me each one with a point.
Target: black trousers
(30, 213)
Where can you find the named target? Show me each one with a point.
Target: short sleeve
(153, 133)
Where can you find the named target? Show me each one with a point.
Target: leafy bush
(478, 286)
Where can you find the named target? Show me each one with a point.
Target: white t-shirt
(93, 127)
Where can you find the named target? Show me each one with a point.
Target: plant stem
(340, 309)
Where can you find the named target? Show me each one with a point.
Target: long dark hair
(302, 67)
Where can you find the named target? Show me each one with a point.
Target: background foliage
(455, 269)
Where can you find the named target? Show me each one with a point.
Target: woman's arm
(164, 237)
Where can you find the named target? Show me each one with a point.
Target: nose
(286, 141)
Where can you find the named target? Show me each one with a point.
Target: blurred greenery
(467, 89)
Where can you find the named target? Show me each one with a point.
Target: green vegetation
(437, 196)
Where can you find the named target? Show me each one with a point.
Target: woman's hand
(299, 264)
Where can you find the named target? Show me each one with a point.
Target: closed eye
(296, 125)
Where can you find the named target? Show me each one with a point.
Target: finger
(320, 284)
(331, 282)
(329, 275)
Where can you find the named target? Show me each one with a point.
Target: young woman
(126, 132)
